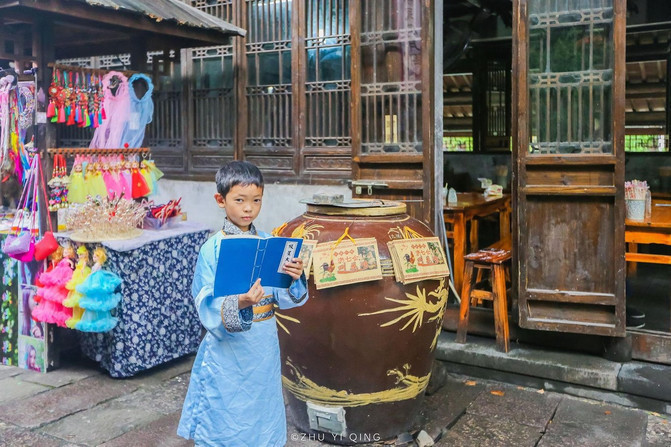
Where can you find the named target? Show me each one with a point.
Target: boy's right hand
(253, 296)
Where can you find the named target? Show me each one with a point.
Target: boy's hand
(294, 268)
(253, 296)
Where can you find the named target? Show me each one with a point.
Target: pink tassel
(103, 114)
(61, 115)
(51, 109)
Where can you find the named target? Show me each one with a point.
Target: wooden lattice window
(269, 74)
(391, 77)
(212, 92)
(218, 8)
(570, 77)
(328, 85)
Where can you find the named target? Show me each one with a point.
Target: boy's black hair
(237, 173)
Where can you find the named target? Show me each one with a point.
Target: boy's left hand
(294, 268)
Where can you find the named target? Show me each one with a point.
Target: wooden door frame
(521, 159)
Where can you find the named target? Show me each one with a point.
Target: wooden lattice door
(568, 125)
(397, 153)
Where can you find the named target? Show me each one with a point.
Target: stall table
(469, 206)
(654, 230)
(158, 321)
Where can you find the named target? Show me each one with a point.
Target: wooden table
(654, 230)
(469, 206)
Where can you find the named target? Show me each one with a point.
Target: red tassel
(103, 114)
(61, 115)
(51, 109)
(71, 117)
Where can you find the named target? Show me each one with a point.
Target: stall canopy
(88, 27)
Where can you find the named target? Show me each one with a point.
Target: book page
(288, 254)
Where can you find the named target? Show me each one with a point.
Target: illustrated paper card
(306, 255)
(418, 259)
(346, 262)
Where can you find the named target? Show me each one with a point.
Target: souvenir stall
(123, 282)
(93, 255)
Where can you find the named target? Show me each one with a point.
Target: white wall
(280, 202)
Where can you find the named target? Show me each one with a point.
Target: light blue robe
(235, 392)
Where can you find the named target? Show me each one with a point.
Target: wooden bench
(493, 260)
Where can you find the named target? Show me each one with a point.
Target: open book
(244, 259)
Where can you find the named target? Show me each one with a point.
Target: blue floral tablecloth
(158, 321)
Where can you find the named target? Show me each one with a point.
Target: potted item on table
(636, 198)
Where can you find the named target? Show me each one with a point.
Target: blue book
(244, 259)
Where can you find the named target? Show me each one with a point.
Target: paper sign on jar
(346, 262)
(306, 255)
(417, 259)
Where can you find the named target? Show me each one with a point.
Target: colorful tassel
(61, 115)
(103, 114)
(71, 117)
(51, 109)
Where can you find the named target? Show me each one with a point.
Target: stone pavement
(81, 406)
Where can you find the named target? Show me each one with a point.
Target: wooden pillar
(43, 50)
(45, 133)
(432, 115)
(668, 91)
(240, 81)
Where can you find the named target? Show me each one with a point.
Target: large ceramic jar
(357, 358)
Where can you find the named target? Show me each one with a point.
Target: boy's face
(242, 204)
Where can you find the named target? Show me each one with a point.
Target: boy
(235, 392)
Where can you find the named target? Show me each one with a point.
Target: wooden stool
(492, 260)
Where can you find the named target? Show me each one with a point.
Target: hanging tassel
(87, 122)
(51, 109)
(100, 117)
(103, 114)
(78, 114)
(71, 117)
(61, 115)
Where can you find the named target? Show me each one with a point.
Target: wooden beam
(125, 19)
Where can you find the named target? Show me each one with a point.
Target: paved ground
(81, 406)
